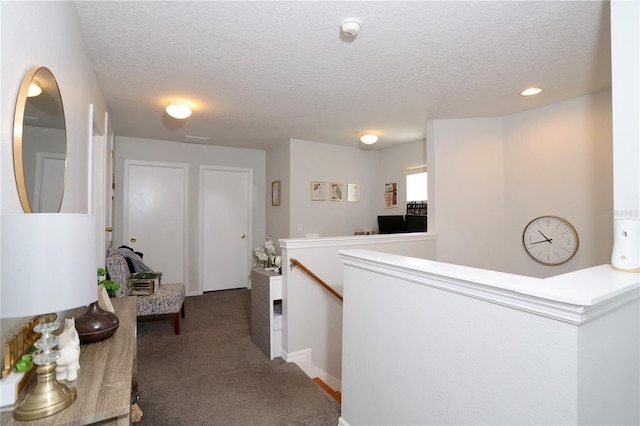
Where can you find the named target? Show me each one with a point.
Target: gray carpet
(212, 374)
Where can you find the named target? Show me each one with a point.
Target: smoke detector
(350, 27)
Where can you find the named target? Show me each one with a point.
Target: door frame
(97, 153)
(249, 171)
(109, 188)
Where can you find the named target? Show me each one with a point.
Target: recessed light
(350, 27)
(179, 110)
(369, 138)
(531, 91)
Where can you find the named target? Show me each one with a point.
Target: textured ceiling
(259, 73)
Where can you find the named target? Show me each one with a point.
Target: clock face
(550, 240)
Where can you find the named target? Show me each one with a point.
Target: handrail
(295, 262)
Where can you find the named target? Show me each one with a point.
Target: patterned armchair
(167, 298)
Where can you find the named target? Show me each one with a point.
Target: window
(416, 180)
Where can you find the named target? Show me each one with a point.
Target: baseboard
(342, 422)
(303, 360)
(296, 357)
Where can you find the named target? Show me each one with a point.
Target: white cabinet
(266, 311)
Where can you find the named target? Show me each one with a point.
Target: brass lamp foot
(47, 397)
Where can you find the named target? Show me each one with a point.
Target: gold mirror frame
(48, 113)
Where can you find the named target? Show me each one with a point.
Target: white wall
(558, 161)
(490, 177)
(278, 168)
(194, 155)
(311, 161)
(47, 34)
(466, 208)
(392, 162)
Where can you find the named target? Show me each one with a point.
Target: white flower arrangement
(265, 254)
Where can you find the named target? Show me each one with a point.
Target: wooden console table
(108, 371)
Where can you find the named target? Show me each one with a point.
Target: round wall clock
(550, 240)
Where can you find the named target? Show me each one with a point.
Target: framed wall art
(337, 191)
(317, 191)
(275, 193)
(390, 195)
(353, 192)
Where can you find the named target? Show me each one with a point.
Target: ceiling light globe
(368, 139)
(34, 89)
(179, 110)
(531, 91)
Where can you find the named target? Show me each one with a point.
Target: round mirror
(39, 143)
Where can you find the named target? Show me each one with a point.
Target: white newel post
(625, 96)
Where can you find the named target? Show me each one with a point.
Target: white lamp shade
(48, 263)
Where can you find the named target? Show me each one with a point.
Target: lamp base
(47, 397)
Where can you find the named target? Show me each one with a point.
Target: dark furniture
(394, 224)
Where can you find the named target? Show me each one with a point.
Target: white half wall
(429, 343)
(312, 317)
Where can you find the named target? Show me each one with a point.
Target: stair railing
(294, 262)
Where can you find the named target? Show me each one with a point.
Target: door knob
(108, 229)
(243, 236)
(133, 239)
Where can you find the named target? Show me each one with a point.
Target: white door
(225, 224)
(156, 216)
(49, 182)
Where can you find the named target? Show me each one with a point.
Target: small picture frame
(275, 193)
(317, 191)
(390, 195)
(337, 191)
(353, 192)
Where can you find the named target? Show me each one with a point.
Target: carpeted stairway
(212, 374)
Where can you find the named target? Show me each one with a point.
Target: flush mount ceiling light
(179, 110)
(531, 91)
(350, 27)
(369, 139)
(34, 89)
